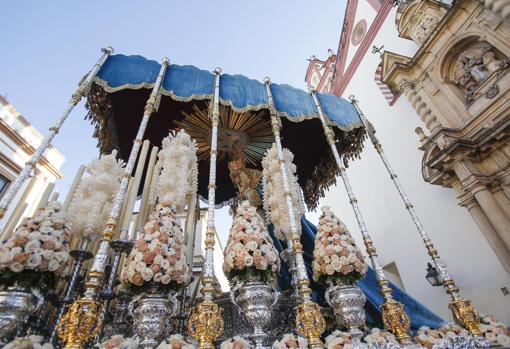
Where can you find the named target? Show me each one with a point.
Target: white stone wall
(12, 150)
(472, 263)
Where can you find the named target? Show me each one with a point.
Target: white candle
(72, 189)
(140, 220)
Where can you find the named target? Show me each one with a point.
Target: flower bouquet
(339, 340)
(337, 260)
(29, 342)
(339, 264)
(93, 199)
(250, 254)
(236, 342)
(37, 252)
(496, 332)
(275, 202)
(429, 337)
(118, 342)
(378, 338)
(158, 260)
(176, 341)
(291, 341)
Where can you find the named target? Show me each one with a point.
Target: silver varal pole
(81, 91)
(463, 311)
(82, 321)
(394, 316)
(206, 321)
(308, 312)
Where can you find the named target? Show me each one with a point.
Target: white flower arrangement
(179, 173)
(428, 337)
(250, 252)
(236, 342)
(119, 342)
(290, 341)
(496, 332)
(338, 340)
(40, 244)
(378, 338)
(91, 205)
(337, 259)
(159, 253)
(28, 342)
(275, 202)
(176, 341)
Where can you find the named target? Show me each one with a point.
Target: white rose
(130, 272)
(158, 277)
(248, 260)
(62, 256)
(165, 264)
(352, 258)
(251, 245)
(503, 340)
(165, 280)
(16, 250)
(344, 260)
(53, 265)
(147, 274)
(33, 261)
(138, 257)
(16, 267)
(140, 266)
(6, 257)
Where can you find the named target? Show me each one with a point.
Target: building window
(359, 31)
(4, 183)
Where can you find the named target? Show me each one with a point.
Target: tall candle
(72, 189)
(140, 219)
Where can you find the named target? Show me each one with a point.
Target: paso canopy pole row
(394, 316)
(81, 91)
(206, 320)
(82, 320)
(463, 311)
(308, 312)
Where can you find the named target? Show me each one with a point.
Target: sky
(47, 46)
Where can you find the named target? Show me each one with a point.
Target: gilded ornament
(396, 320)
(465, 315)
(80, 323)
(206, 323)
(310, 322)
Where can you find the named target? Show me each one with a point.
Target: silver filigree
(151, 314)
(16, 305)
(348, 303)
(256, 301)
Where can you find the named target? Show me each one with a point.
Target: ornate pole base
(80, 323)
(206, 323)
(310, 323)
(396, 320)
(465, 315)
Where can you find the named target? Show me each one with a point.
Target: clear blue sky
(47, 46)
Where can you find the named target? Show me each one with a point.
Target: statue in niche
(428, 21)
(475, 64)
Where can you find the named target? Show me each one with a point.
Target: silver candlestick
(80, 255)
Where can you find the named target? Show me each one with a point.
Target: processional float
(234, 121)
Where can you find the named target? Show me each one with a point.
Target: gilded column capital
(406, 85)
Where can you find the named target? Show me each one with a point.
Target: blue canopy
(186, 82)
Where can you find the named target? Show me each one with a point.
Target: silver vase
(16, 305)
(151, 313)
(348, 303)
(256, 301)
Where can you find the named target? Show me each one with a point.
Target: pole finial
(267, 80)
(217, 70)
(311, 89)
(108, 49)
(166, 60)
(352, 98)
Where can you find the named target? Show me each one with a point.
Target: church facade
(440, 69)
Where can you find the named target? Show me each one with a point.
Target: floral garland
(158, 257)
(28, 342)
(337, 260)
(496, 332)
(338, 340)
(38, 250)
(290, 340)
(176, 341)
(380, 339)
(250, 252)
(119, 342)
(179, 172)
(236, 342)
(92, 202)
(275, 202)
